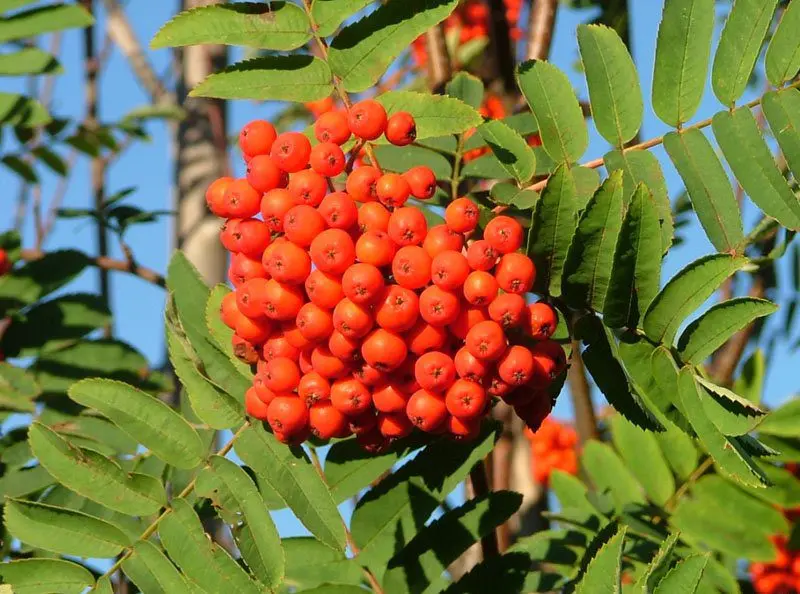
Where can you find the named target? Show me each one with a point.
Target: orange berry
(515, 367)
(288, 263)
(466, 400)
(324, 289)
(362, 283)
(333, 251)
(435, 371)
(449, 270)
(426, 410)
(469, 367)
(407, 226)
(264, 175)
(462, 215)
(215, 196)
(287, 415)
(373, 216)
(361, 184)
(282, 301)
(250, 297)
(350, 397)
(281, 374)
(486, 340)
(327, 364)
(254, 406)
(411, 267)
(253, 330)
(392, 190)
(389, 398)
(441, 238)
(274, 206)
(439, 307)
(421, 181)
(368, 375)
(397, 308)
(515, 273)
(351, 319)
(464, 429)
(313, 388)
(423, 337)
(376, 248)
(508, 310)
(327, 159)
(504, 234)
(480, 288)
(384, 350)
(401, 129)
(367, 119)
(228, 310)
(394, 425)
(278, 345)
(481, 255)
(326, 422)
(346, 348)
(314, 322)
(257, 138)
(291, 151)
(542, 320)
(339, 211)
(332, 127)
(308, 187)
(466, 319)
(302, 224)
(241, 200)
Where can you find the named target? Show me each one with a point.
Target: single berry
(422, 182)
(332, 127)
(327, 159)
(291, 151)
(367, 119)
(401, 129)
(257, 138)
(461, 215)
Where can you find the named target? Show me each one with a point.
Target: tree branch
(480, 484)
(439, 68)
(107, 264)
(501, 43)
(581, 391)
(540, 29)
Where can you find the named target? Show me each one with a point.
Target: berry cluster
(360, 319)
(5, 262)
(471, 20)
(553, 447)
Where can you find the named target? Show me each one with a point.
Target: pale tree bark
(200, 158)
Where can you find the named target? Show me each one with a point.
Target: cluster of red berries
(553, 447)
(781, 576)
(5, 262)
(471, 19)
(360, 319)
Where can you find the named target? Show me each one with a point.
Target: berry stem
(337, 83)
(373, 581)
(150, 530)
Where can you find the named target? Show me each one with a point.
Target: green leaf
(739, 47)
(402, 158)
(608, 473)
(422, 563)
(636, 273)
(264, 79)
(363, 50)
(17, 388)
(151, 112)
(586, 182)
(467, 88)
(41, 277)
(349, 469)
(54, 324)
(614, 92)
(44, 19)
(685, 292)
(642, 167)
(571, 492)
(274, 26)
(706, 518)
(782, 60)
(708, 187)
(27, 61)
(392, 512)
(290, 474)
(750, 383)
(204, 562)
(552, 100)
(685, 576)
(602, 360)
(235, 491)
(783, 421)
(329, 14)
(647, 580)
(603, 571)
(713, 329)
(62, 530)
(24, 481)
(511, 195)
(785, 489)
(679, 450)
(642, 455)
(781, 110)
(552, 227)
(94, 476)
(434, 115)
(18, 110)
(587, 270)
(309, 563)
(151, 571)
(222, 335)
(682, 53)
(752, 162)
(147, 419)
(729, 456)
(503, 573)
(103, 586)
(510, 149)
(44, 576)
(51, 159)
(211, 404)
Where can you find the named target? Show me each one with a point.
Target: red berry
(287, 415)
(542, 320)
(426, 410)
(504, 234)
(461, 215)
(401, 129)
(264, 175)
(257, 138)
(291, 151)
(332, 127)
(367, 119)
(241, 199)
(421, 181)
(392, 190)
(327, 159)
(215, 196)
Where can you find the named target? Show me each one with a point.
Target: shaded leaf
(43, 19)
(729, 456)
(151, 571)
(603, 571)
(739, 47)
(752, 162)
(552, 100)
(145, 418)
(781, 110)
(264, 79)
(62, 530)
(402, 158)
(329, 14)
(467, 88)
(276, 26)
(636, 272)
(648, 579)
(18, 388)
(614, 92)
(682, 53)
(685, 576)
(685, 292)
(363, 50)
(504, 573)
(18, 110)
(309, 563)
(608, 473)
(94, 476)
(24, 481)
(552, 226)
(41, 277)
(587, 270)
(28, 60)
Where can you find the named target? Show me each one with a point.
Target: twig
(373, 581)
(681, 491)
(107, 264)
(540, 29)
(151, 529)
(480, 485)
(457, 161)
(439, 67)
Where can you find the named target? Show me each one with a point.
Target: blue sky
(138, 305)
